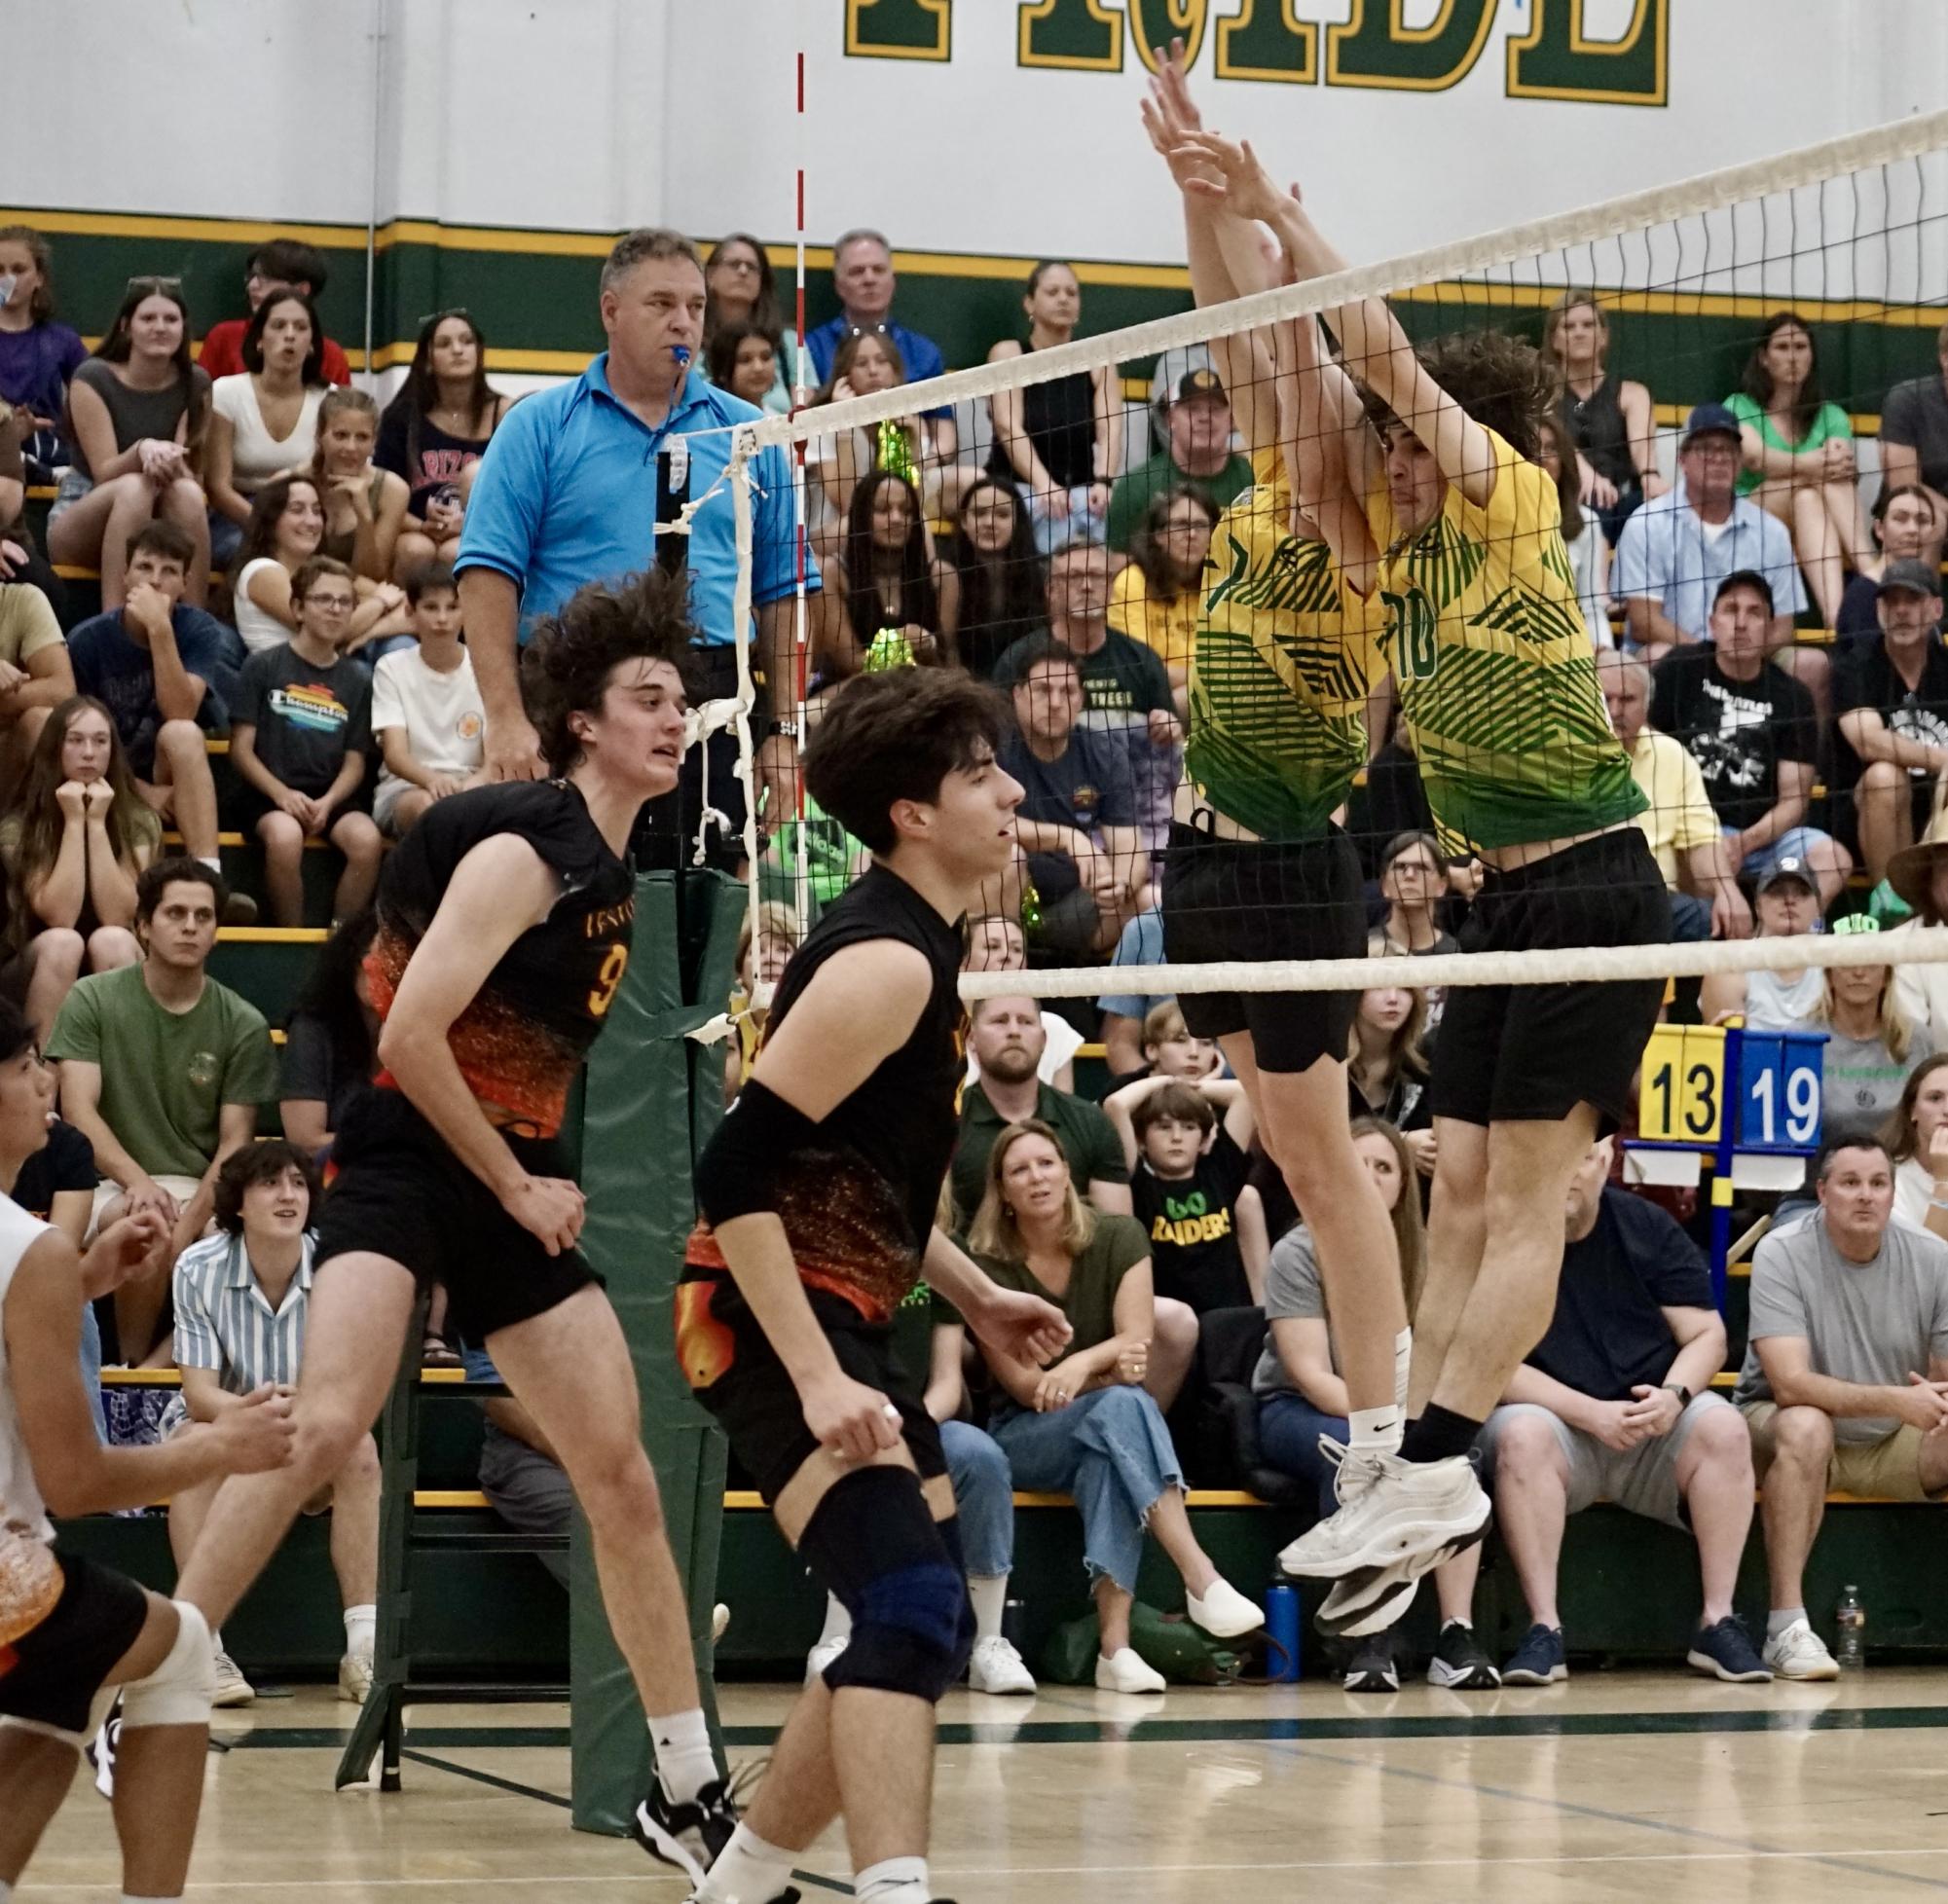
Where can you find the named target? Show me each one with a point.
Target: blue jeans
(1289, 1428)
(984, 1499)
(91, 1369)
(1112, 1452)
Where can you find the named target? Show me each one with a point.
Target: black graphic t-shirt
(307, 718)
(1191, 1226)
(1738, 732)
(1867, 678)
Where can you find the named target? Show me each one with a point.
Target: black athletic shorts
(1262, 900)
(1535, 1052)
(51, 1674)
(734, 1372)
(397, 1190)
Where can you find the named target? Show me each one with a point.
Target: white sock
(747, 1871)
(894, 1881)
(1781, 1617)
(988, 1594)
(361, 1628)
(1376, 1431)
(1403, 1361)
(685, 1761)
(838, 1622)
(210, 860)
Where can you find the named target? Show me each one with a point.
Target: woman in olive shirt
(1086, 1424)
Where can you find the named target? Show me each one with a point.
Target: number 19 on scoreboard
(1776, 1108)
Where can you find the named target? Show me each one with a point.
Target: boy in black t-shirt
(301, 740)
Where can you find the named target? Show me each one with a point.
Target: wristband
(788, 728)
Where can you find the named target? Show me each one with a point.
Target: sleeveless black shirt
(1060, 421)
(1597, 427)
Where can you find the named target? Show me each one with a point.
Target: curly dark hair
(259, 1163)
(1503, 384)
(566, 668)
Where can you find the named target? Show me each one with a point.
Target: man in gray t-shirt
(1847, 1375)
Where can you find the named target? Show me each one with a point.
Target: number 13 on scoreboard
(1683, 1099)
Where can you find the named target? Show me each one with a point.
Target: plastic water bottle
(1282, 1629)
(1850, 1623)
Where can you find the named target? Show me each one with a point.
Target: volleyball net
(1579, 524)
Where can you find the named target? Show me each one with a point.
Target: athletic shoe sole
(1417, 1540)
(1523, 1676)
(1827, 1669)
(1700, 1661)
(660, 1845)
(1371, 1682)
(1480, 1677)
(1374, 1598)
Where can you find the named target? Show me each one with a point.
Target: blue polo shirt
(566, 494)
(1668, 555)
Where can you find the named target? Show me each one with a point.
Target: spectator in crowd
(434, 431)
(1587, 553)
(242, 1297)
(1797, 452)
(1890, 700)
(1843, 1383)
(1870, 1041)
(1412, 881)
(885, 575)
(1088, 1424)
(1301, 1400)
(265, 419)
(162, 1070)
(285, 530)
(1005, 1038)
(1919, 877)
(579, 479)
(1755, 733)
(153, 663)
(930, 1343)
(1914, 435)
(740, 360)
(862, 276)
(996, 942)
(300, 742)
(277, 264)
(1907, 527)
(426, 711)
(1680, 818)
(137, 414)
(1785, 903)
(38, 354)
(74, 846)
(837, 464)
(740, 293)
(1609, 418)
(1388, 1068)
(1157, 598)
(1198, 455)
(1916, 1137)
(1170, 1052)
(1186, 1147)
(1060, 442)
(1126, 1013)
(1076, 823)
(35, 674)
(364, 505)
(1674, 551)
(760, 960)
(331, 1042)
(1615, 1404)
(57, 1185)
(1003, 590)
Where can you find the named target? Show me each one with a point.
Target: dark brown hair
(1758, 382)
(311, 370)
(259, 1163)
(164, 873)
(1178, 1103)
(307, 571)
(1503, 384)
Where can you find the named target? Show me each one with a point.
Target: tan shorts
(1886, 1470)
(182, 1188)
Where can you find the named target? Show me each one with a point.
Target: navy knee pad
(874, 1543)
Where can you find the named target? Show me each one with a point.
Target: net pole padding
(1569, 966)
(1854, 152)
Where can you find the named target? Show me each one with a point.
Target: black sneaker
(1725, 1651)
(1538, 1661)
(1371, 1669)
(687, 1835)
(1460, 1663)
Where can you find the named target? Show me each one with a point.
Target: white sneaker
(1124, 1672)
(232, 1688)
(823, 1655)
(355, 1678)
(1402, 1512)
(996, 1667)
(1799, 1653)
(1224, 1611)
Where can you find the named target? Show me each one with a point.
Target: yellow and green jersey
(1278, 678)
(1496, 677)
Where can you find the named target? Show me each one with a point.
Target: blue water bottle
(1282, 1629)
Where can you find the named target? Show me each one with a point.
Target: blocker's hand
(1021, 1326)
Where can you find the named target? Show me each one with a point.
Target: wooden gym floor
(1615, 1786)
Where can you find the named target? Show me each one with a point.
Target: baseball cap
(1745, 578)
(1709, 419)
(1791, 868)
(1202, 382)
(1921, 577)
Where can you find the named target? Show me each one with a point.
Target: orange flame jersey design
(705, 1346)
(848, 1234)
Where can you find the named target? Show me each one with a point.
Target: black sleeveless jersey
(528, 1029)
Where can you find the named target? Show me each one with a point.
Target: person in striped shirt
(240, 1300)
